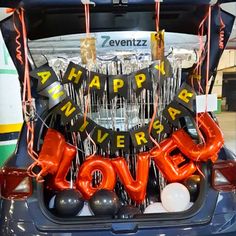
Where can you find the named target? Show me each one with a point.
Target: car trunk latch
(124, 228)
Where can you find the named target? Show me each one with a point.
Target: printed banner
(141, 81)
(74, 74)
(118, 85)
(45, 75)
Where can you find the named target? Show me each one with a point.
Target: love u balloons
(175, 157)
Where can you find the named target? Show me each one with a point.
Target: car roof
(58, 3)
(47, 18)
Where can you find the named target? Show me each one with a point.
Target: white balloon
(155, 207)
(190, 205)
(175, 197)
(86, 211)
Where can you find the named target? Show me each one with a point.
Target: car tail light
(224, 176)
(15, 183)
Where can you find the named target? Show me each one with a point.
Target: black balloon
(68, 202)
(127, 212)
(104, 203)
(192, 183)
(153, 189)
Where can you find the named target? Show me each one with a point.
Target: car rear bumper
(216, 217)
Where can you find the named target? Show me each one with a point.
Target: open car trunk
(117, 53)
(54, 43)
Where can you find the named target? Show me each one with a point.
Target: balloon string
(155, 108)
(201, 51)
(17, 40)
(152, 121)
(87, 105)
(27, 101)
(27, 86)
(157, 8)
(198, 69)
(155, 105)
(87, 27)
(87, 19)
(208, 55)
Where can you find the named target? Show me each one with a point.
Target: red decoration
(135, 188)
(58, 181)
(204, 151)
(51, 152)
(85, 176)
(169, 164)
(170, 157)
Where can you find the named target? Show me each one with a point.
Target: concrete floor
(227, 121)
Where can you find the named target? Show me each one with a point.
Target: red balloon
(135, 188)
(51, 153)
(204, 151)
(169, 164)
(58, 181)
(85, 176)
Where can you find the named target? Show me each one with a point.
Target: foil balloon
(173, 167)
(85, 176)
(58, 181)
(135, 188)
(204, 151)
(51, 153)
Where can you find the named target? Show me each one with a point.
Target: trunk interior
(112, 60)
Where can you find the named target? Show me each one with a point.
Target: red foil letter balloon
(58, 181)
(204, 151)
(169, 164)
(135, 188)
(85, 176)
(51, 153)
